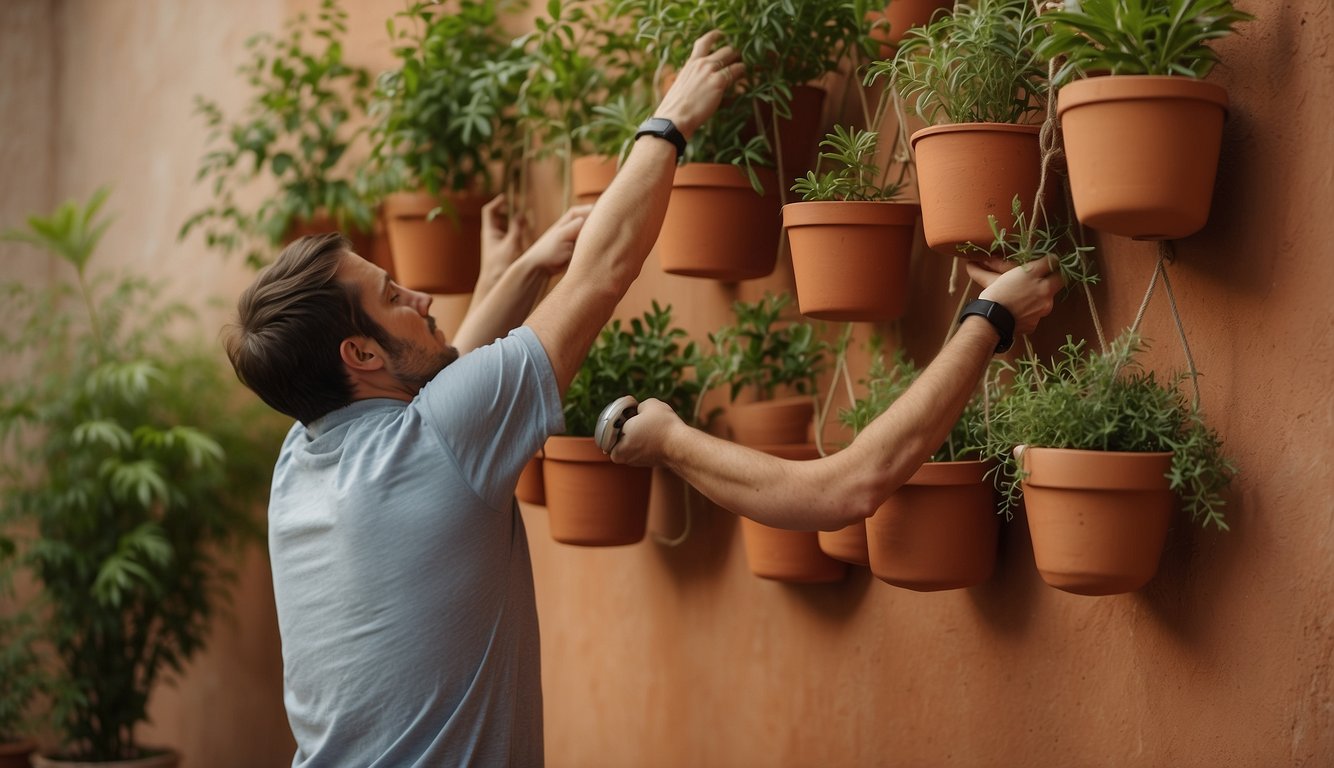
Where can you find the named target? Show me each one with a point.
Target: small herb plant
(649, 358)
(129, 476)
(1137, 37)
(448, 113)
(764, 351)
(297, 128)
(854, 176)
(1029, 241)
(1108, 402)
(976, 65)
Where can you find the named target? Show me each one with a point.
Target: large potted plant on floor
(132, 477)
(591, 501)
(974, 77)
(1142, 129)
(446, 122)
(301, 132)
(1106, 452)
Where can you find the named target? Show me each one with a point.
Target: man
(400, 565)
(838, 490)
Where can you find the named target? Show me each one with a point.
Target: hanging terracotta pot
(1142, 152)
(783, 555)
(968, 171)
(1098, 519)
(440, 255)
(847, 544)
(14, 754)
(164, 759)
(902, 16)
(851, 259)
(717, 227)
(938, 531)
(592, 502)
(798, 135)
(590, 176)
(782, 421)
(530, 488)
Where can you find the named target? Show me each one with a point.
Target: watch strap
(663, 128)
(999, 317)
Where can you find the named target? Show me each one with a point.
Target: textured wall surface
(659, 656)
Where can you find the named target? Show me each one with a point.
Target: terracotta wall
(661, 656)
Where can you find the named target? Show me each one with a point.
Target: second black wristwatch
(998, 316)
(663, 129)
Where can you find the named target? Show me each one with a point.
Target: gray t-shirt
(401, 570)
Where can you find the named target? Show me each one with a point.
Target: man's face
(416, 349)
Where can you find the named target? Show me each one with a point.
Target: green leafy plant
(765, 351)
(130, 475)
(1137, 37)
(1029, 241)
(1108, 402)
(646, 359)
(854, 175)
(302, 118)
(448, 113)
(20, 662)
(976, 65)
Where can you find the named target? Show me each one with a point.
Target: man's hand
(552, 251)
(1027, 291)
(644, 436)
(700, 84)
(502, 237)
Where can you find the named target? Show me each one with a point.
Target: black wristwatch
(663, 129)
(995, 314)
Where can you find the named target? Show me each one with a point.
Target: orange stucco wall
(661, 656)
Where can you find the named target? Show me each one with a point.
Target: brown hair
(290, 324)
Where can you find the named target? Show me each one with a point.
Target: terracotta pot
(1142, 152)
(440, 255)
(1098, 519)
(851, 259)
(783, 421)
(364, 244)
(717, 227)
(799, 135)
(14, 754)
(783, 555)
(969, 171)
(904, 15)
(847, 544)
(590, 176)
(166, 759)
(530, 488)
(938, 531)
(592, 502)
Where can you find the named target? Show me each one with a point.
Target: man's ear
(361, 353)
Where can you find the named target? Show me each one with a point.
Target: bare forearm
(502, 307)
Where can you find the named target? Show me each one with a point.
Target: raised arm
(624, 224)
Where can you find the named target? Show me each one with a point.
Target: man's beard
(415, 366)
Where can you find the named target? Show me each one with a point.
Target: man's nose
(420, 301)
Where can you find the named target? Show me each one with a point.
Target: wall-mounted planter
(847, 544)
(851, 259)
(790, 556)
(904, 15)
(531, 487)
(938, 531)
(969, 171)
(1142, 152)
(440, 255)
(590, 176)
(592, 502)
(781, 421)
(717, 227)
(1098, 519)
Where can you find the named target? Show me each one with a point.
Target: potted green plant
(299, 134)
(590, 500)
(1142, 129)
(1108, 451)
(20, 668)
(973, 76)
(851, 241)
(133, 476)
(445, 119)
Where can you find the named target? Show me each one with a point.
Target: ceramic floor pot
(938, 531)
(790, 556)
(847, 544)
(851, 259)
(14, 754)
(783, 421)
(717, 227)
(902, 16)
(1142, 152)
(592, 502)
(799, 135)
(1098, 519)
(440, 255)
(590, 176)
(969, 171)
(165, 759)
(530, 488)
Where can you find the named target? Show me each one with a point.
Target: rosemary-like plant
(764, 351)
(854, 174)
(1029, 241)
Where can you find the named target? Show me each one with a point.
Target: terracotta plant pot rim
(160, 759)
(580, 449)
(20, 747)
(1094, 90)
(1096, 470)
(934, 130)
(951, 473)
(420, 203)
(722, 175)
(881, 213)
